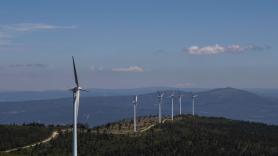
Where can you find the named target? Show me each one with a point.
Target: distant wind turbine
(76, 96)
(172, 100)
(180, 96)
(160, 99)
(135, 101)
(193, 104)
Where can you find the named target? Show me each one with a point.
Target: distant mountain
(224, 102)
(54, 94)
(238, 104)
(271, 92)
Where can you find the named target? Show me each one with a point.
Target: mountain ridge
(223, 102)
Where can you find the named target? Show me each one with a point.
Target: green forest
(12, 136)
(186, 135)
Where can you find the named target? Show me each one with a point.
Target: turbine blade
(75, 73)
(84, 90)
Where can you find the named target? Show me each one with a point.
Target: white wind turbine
(172, 100)
(135, 102)
(76, 96)
(160, 98)
(193, 104)
(180, 96)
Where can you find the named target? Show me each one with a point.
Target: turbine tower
(76, 95)
(135, 101)
(180, 96)
(172, 99)
(160, 98)
(193, 104)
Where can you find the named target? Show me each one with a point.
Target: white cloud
(36, 65)
(219, 49)
(24, 27)
(129, 69)
(8, 32)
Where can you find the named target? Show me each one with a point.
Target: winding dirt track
(151, 126)
(55, 134)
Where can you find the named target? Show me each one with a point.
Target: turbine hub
(75, 89)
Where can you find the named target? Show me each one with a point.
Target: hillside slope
(187, 135)
(15, 136)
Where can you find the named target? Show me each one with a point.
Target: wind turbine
(76, 96)
(135, 101)
(160, 98)
(193, 104)
(172, 99)
(180, 96)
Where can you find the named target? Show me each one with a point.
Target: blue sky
(128, 44)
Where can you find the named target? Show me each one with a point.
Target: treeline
(12, 136)
(187, 135)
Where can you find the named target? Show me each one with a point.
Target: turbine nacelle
(172, 96)
(75, 89)
(160, 95)
(135, 100)
(195, 96)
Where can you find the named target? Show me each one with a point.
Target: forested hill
(12, 136)
(186, 135)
